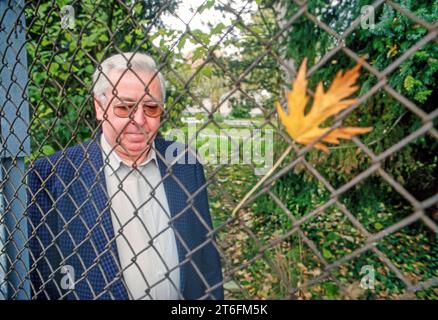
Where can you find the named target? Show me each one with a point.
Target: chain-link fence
(94, 204)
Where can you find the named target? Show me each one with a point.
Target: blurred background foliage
(61, 62)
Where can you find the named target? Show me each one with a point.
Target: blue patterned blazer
(71, 229)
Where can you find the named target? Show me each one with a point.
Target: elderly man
(111, 218)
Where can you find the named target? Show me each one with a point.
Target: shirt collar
(114, 159)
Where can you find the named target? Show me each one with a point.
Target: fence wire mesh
(360, 222)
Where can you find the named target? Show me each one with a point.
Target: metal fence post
(3, 265)
(14, 116)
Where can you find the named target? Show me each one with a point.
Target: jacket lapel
(176, 203)
(94, 178)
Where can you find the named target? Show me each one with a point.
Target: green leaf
(208, 5)
(54, 67)
(45, 42)
(326, 254)
(207, 71)
(422, 95)
(217, 29)
(47, 150)
(198, 53)
(200, 36)
(331, 289)
(89, 69)
(72, 46)
(409, 83)
(348, 238)
(182, 42)
(103, 37)
(378, 226)
(99, 56)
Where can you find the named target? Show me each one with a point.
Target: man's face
(131, 121)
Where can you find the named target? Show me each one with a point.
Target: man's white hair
(138, 62)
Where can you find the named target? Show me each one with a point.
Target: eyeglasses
(150, 109)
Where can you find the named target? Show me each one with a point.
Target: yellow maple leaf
(304, 128)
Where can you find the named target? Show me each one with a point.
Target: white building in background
(259, 97)
(255, 112)
(206, 108)
(225, 107)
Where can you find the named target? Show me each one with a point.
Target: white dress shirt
(129, 189)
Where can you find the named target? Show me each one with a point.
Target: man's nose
(138, 117)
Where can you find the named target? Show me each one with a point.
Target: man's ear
(98, 108)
